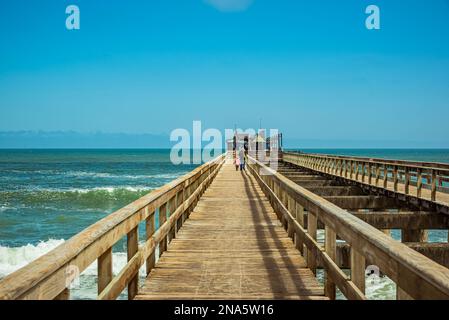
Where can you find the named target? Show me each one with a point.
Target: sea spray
(14, 258)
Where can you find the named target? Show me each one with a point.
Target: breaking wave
(97, 197)
(14, 258)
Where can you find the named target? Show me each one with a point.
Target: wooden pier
(232, 247)
(226, 234)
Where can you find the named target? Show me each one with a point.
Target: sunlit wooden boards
(232, 247)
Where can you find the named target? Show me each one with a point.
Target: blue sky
(309, 68)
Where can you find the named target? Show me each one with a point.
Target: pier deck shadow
(232, 247)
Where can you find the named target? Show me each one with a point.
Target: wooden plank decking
(231, 247)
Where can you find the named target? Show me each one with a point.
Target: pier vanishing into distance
(263, 234)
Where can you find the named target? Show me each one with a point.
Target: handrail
(416, 275)
(50, 276)
(425, 181)
(423, 164)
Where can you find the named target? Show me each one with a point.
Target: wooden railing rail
(50, 276)
(416, 275)
(397, 175)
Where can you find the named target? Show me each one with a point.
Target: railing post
(419, 183)
(171, 210)
(312, 231)
(187, 194)
(292, 210)
(407, 181)
(162, 219)
(363, 172)
(277, 192)
(283, 197)
(64, 295)
(377, 174)
(385, 176)
(346, 168)
(180, 201)
(300, 218)
(133, 247)
(330, 247)
(433, 192)
(401, 294)
(149, 231)
(358, 269)
(395, 178)
(370, 173)
(104, 267)
(351, 165)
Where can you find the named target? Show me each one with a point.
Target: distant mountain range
(72, 139)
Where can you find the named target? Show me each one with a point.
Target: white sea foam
(4, 208)
(104, 175)
(121, 176)
(109, 189)
(14, 258)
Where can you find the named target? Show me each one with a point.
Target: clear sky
(309, 68)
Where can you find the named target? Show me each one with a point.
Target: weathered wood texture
(416, 275)
(50, 276)
(232, 247)
(421, 180)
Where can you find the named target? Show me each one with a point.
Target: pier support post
(414, 235)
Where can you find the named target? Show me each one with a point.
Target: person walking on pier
(237, 163)
(242, 159)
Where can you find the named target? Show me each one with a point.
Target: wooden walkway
(234, 247)
(231, 247)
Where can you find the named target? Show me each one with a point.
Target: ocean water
(47, 196)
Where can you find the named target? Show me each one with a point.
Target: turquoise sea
(47, 196)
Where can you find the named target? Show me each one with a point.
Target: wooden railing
(415, 275)
(424, 180)
(50, 276)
